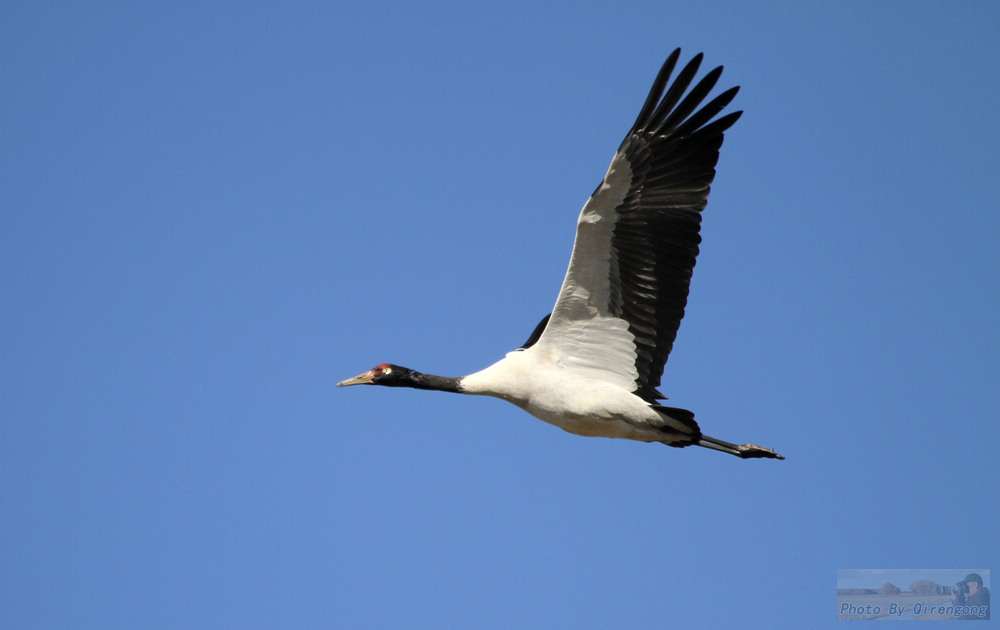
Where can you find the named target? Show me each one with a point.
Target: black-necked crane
(592, 367)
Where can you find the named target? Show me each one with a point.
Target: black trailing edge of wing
(672, 150)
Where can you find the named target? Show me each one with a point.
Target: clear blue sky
(210, 213)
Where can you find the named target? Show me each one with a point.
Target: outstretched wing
(624, 295)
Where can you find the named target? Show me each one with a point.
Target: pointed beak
(360, 379)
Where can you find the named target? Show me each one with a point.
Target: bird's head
(382, 374)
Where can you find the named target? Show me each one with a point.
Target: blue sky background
(213, 212)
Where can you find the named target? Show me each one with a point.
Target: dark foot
(746, 451)
(749, 451)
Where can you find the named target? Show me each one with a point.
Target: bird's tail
(679, 425)
(683, 431)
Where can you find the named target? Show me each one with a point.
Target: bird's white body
(579, 404)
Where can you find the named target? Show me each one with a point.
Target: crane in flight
(593, 365)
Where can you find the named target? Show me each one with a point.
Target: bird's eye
(386, 370)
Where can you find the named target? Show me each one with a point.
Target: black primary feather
(672, 150)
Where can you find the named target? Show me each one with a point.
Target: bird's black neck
(417, 380)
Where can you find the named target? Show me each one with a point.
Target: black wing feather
(672, 151)
(671, 98)
(536, 333)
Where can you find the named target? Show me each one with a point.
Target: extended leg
(746, 451)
